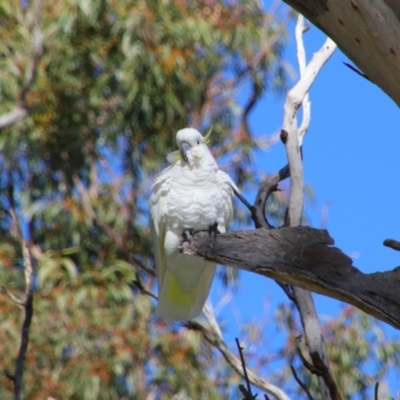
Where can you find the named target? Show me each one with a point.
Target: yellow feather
(174, 156)
(207, 138)
(176, 296)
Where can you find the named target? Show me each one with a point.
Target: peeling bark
(304, 257)
(368, 32)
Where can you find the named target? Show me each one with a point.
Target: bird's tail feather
(175, 305)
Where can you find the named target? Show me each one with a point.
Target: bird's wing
(192, 274)
(158, 211)
(226, 186)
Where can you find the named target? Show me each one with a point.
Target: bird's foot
(213, 228)
(187, 235)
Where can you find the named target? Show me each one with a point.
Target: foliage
(115, 81)
(360, 352)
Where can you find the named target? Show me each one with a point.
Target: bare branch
(304, 256)
(139, 284)
(319, 368)
(301, 60)
(266, 189)
(28, 301)
(141, 265)
(376, 391)
(12, 296)
(323, 371)
(295, 97)
(30, 73)
(210, 317)
(242, 199)
(214, 339)
(393, 244)
(357, 71)
(246, 378)
(364, 31)
(301, 384)
(13, 116)
(21, 110)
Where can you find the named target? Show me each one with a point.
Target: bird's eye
(198, 142)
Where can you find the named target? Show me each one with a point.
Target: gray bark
(304, 257)
(368, 32)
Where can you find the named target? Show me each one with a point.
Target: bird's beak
(185, 147)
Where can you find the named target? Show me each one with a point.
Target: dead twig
(216, 340)
(139, 284)
(246, 391)
(300, 383)
(28, 301)
(393, 244)
(358, 72)
(21, 110)
(376, 391)
(324, 372)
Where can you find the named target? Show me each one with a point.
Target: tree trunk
(368, 32)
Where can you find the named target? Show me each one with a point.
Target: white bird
(190, 194)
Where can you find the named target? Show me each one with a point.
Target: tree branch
(304, 257)
(266, 189)
(364, 31)
(246, 378)
(393, 244)
(20, 111)
(28, 301)
(15, 115)
(295, 97)
(300, 383)
(216, 340)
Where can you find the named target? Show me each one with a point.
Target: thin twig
(301, 384)
(210, 317)
(358, 72)
(393, 244)
(304, 361)
(247, 395)
(376, 391)
(242, 199)
(149, 270)
(246, 378)
(267, 187)
(28, 301)
(320, 369)
(139, 284)
(12, 296)
(215, 340)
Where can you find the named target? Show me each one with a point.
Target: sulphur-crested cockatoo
(190, 194)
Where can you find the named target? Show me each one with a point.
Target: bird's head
(192, 146)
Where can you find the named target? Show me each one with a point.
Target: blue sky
(351, 160)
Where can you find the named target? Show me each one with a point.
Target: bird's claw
(213, 228)
(187, 235)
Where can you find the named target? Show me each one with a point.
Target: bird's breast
(195, 200)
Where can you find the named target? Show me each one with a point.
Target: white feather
(192, 194)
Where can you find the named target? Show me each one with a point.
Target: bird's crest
(207, 138)
(177, 156)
